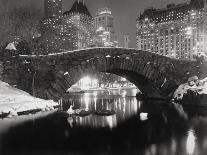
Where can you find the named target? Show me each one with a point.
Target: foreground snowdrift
(14, 100)
(194, 87)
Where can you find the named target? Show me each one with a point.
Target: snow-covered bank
(194, 90)
(13, 100)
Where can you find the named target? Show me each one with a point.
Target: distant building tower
(57, 35)
(175, 31)
(53, 8)
(104, 25)
(126, 41)
(205, 27)
(80, 17)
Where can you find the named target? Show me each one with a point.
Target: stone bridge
(51, 75)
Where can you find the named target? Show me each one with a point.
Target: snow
(200, 88)
(11, 46)
(14, 100)
(200, 55)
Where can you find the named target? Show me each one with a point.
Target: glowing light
(85, 82)
(134, 105)
(86, 101)
(104, 12)
(124, 93)
(111, 121)
(143, 116)
(193, 14)
(190, 142)
(106, 32)
(94, 82)
(95, 94)
(104, 39)
(189, 31)
(100, 29)
(124, 106)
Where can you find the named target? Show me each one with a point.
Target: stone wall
(1, 70)
(155, 75)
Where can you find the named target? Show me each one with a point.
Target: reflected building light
(124, 93)
(124, 107)
(95, 94)
(95, 102)
(173, 146)
(139, 104)
(135, 107)
(153, 149)
(111, 121)
(134, 92)
(116, 104)
(143, 116)
(86, 101)
(85, 82)
(190, 142)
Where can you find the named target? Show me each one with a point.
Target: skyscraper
(104, 25)
(175, 31)
(53, 8)
(80, 17)
(126, 41)
(57, 35)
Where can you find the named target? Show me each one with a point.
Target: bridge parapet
(155, 75)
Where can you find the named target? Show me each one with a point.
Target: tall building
(176, 31)
(80, 17)
(104, 25)
(53, 8)
(57, 34)
(126, 41)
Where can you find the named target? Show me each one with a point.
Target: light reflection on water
(190, 142)
(126, 105)
(123, 102)
(164, 133)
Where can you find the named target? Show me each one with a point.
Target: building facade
(63, 32)
(80, 17)
(53, 8)
(126, 40)
(104, 26)
(176, 31)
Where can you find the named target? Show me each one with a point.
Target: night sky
(125, 12)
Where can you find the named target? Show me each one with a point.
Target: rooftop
(170, 11)
(78, 7)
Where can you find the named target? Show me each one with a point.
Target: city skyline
(121, 10)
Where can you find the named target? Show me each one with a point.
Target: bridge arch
(155, 75)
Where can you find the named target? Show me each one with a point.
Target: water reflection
(124, 104)
(190, 142)
(166, 131)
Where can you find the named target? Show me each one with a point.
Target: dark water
(170, 129)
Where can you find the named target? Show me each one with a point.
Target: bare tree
(22, 22)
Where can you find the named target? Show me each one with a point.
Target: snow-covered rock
(13, 100)
(200, 55)
(194, 90)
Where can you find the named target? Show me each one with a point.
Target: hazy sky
(125, 12)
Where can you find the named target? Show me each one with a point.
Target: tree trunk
(33, 83)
